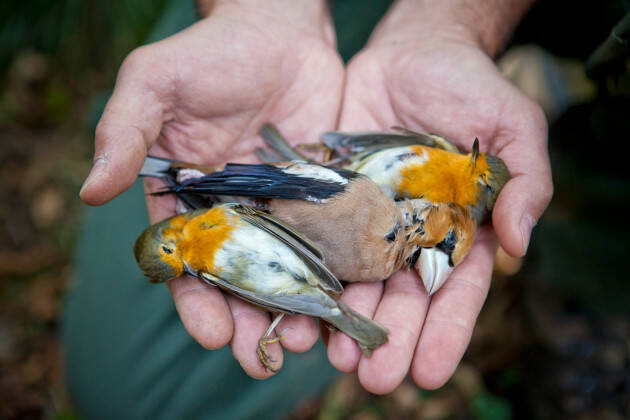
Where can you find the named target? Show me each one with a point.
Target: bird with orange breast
(257, 258)
(425, 168)
(363, 234)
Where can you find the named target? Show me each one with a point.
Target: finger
(343, 351)
(452, 315)
(526, 196)
(250, 324)
(300, 332)
(203, 311)
(402, 310)
(130, 124)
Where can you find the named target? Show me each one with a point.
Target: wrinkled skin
(190, 97)
(442, 83)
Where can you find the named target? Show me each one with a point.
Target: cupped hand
(201, 96)
(441, 83)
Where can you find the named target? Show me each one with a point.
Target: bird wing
(308, 252)
(167, 169)
(431, 139)
(371, 141)
(292, 181)
(289, 303)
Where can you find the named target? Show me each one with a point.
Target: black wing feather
(264, 181)
(157, 167)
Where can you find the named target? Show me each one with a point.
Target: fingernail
(95, 173)
(527, 224)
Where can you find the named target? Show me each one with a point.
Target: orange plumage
(255, 257)
(444, 177)
(429, 170)
(203, 235)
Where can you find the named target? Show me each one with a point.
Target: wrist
(309, 17)
(486, 24)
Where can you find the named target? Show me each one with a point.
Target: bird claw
(312, 147)
(263, 353)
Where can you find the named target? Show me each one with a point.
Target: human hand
(428, 68)
(201, 96)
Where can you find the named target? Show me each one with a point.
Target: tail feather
(268, 156)
(368, 334)
(279, 144)
(155, 167)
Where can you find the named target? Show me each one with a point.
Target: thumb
(526, 196)
(130, 124)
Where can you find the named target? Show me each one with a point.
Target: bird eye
(167, 250)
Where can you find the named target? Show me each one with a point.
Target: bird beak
(434, 268)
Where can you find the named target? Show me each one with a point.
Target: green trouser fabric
(127, 353)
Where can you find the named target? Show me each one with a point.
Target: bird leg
(329, 326)
(316, 148)
(312, 147)
(263, 354)
(327, 159)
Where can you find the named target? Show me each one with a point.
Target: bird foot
(263, 353)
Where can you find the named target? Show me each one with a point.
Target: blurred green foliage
(355, 19)
(57, 100)
(486, 406)
(78, 33)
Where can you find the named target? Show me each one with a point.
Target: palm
(217, 99)
(201, 96)
(456, 91)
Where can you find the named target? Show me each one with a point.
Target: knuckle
(102, 129)
(538, 119)
(136, 59)
(214, 336)
(547, 190)
(102, 133)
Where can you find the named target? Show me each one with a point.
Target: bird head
(491, 174)
(156, 250)
(446, 235)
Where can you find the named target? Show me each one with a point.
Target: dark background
(553, 340)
